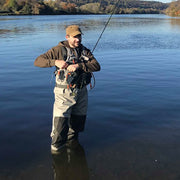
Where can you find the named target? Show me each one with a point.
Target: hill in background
(81, 7)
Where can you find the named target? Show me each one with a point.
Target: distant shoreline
(54, 7)
(14, 14)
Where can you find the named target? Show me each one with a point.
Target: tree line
(29, 7)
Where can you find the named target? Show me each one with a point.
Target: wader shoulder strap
(70, 54)
(71, 57)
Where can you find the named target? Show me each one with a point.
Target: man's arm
(91, 64)
(45, 60)
(52, 57)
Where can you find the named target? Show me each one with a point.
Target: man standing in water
(74, 64)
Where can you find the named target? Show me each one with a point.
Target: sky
(164, 1)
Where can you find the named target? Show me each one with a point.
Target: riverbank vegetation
(174, 9)
(48, 7)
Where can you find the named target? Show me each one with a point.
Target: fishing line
(116, 6)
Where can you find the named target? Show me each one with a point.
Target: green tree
(91, 8)
(27, 9)
(2, 2)
(11, 5)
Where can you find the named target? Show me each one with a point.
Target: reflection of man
(70, 163)
(74, 64)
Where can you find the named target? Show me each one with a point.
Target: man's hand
(61, 64)
(72, 67)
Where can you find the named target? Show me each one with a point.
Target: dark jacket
(57, 53)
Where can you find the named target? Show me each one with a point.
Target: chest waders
(73, 80)
(71, 99)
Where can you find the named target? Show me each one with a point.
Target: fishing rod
(116, 6)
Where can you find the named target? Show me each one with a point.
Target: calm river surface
(133, 124)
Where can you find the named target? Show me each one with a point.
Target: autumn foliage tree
(173, 9)
(68, 7)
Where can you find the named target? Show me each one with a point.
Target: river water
(133, 124)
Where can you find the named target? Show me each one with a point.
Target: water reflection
(175, 22)
(70, 163)
(2, 31)
(16, 30)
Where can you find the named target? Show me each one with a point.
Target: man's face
(74, 41)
